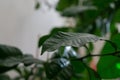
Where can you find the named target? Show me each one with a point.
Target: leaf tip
(42, 52)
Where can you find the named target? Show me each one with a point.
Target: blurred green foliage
(97, 17)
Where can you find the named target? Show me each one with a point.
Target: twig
(108, 54)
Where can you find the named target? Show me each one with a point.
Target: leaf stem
(93, 55)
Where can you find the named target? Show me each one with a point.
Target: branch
(108, 54)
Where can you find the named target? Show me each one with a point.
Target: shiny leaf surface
(67, 39)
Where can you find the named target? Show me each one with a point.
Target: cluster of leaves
(107, 67)
(65, 63)
(11, 57)
(91, 16)
(97, 17)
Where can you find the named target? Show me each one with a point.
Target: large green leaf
(67, 39)
(75, 10)
(7, 51)
(107, 48)
(109, 67)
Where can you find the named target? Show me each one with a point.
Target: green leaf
(29, 59)
(78, 66)
(91, 46)
(116, 39)
(117, 16)
(37, 6)
(103, 11)
(59, 69)
(63, 4)
(113, 29)
(75, 10)
(107, 64)
(7, 51)
(111, 47)
(42, 40)
(107, 48)
(67, 39)
(102, 4)
(10, 57)
(108, 67)
(12, 62)
(63, 29)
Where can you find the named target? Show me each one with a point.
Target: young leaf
(67, 39)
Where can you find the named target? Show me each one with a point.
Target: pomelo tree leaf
(67, 39)
(108, 66)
